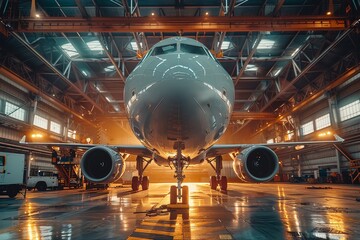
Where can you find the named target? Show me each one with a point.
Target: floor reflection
(247, 211)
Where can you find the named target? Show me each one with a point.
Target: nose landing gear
(179, 195)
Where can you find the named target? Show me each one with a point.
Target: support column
(334, 119)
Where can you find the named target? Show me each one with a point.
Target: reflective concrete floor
(246, 211)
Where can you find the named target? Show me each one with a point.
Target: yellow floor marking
(151, 231)
(158, 224)
(137, 238)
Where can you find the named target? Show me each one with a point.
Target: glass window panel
(192, 49)
(55, 127)
(14, 111)
(164, 49)
(350, 110)
(40, 122)
(307, 128)
(322, 122)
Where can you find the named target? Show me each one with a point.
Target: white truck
(42, 181)
(12, 170)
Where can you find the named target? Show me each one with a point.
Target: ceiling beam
(176, 24)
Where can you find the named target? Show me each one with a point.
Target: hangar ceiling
(280, 54)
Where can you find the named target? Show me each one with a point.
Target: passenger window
(164, 49)
(192, 49)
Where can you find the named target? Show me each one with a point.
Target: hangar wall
(306, 161)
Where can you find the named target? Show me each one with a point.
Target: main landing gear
(179, 194)
(136, 181)
(218, 179)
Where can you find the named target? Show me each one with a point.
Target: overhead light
(152, 14)
(225, 45)
(36, 135)
(295, 52)
(324, 134)
(69, 49)
(277, 72)
(94, 45)
(85, 73)
(266, 44)
(299, 147)
(37, 15)
(207, 13)
(330, 8)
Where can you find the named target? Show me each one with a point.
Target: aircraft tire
(173, 194)
(145, 183)
(185, 195)
(213, 182)
(223, 183)
(135, 183)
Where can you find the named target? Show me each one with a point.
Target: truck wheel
(12, 191)
(41, 186)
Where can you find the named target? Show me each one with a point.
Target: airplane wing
(138, 150)
(222, 149)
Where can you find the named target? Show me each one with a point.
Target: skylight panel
(134, 46)
(251, 67)
(266, 44)
(69, 49)
(110, 68)
(94, 45)
(225, 45)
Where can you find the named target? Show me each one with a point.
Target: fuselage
(179, 95)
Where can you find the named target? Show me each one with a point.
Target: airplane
(179, 101)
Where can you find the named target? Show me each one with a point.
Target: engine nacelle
(101, 164)
(256, 164)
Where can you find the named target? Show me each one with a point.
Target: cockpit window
(164, 49)
(192, 49)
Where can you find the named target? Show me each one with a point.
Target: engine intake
(256, 164)
(101, 164)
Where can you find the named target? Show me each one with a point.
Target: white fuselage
(179, 94)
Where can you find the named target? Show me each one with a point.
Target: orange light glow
(36, 135)
(324, 134)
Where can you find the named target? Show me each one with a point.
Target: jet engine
(101, 164)
(256, 164)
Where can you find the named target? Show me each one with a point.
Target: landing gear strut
(136, 181)
(179, 193)
(218, 179)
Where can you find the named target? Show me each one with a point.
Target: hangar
(295, 70)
